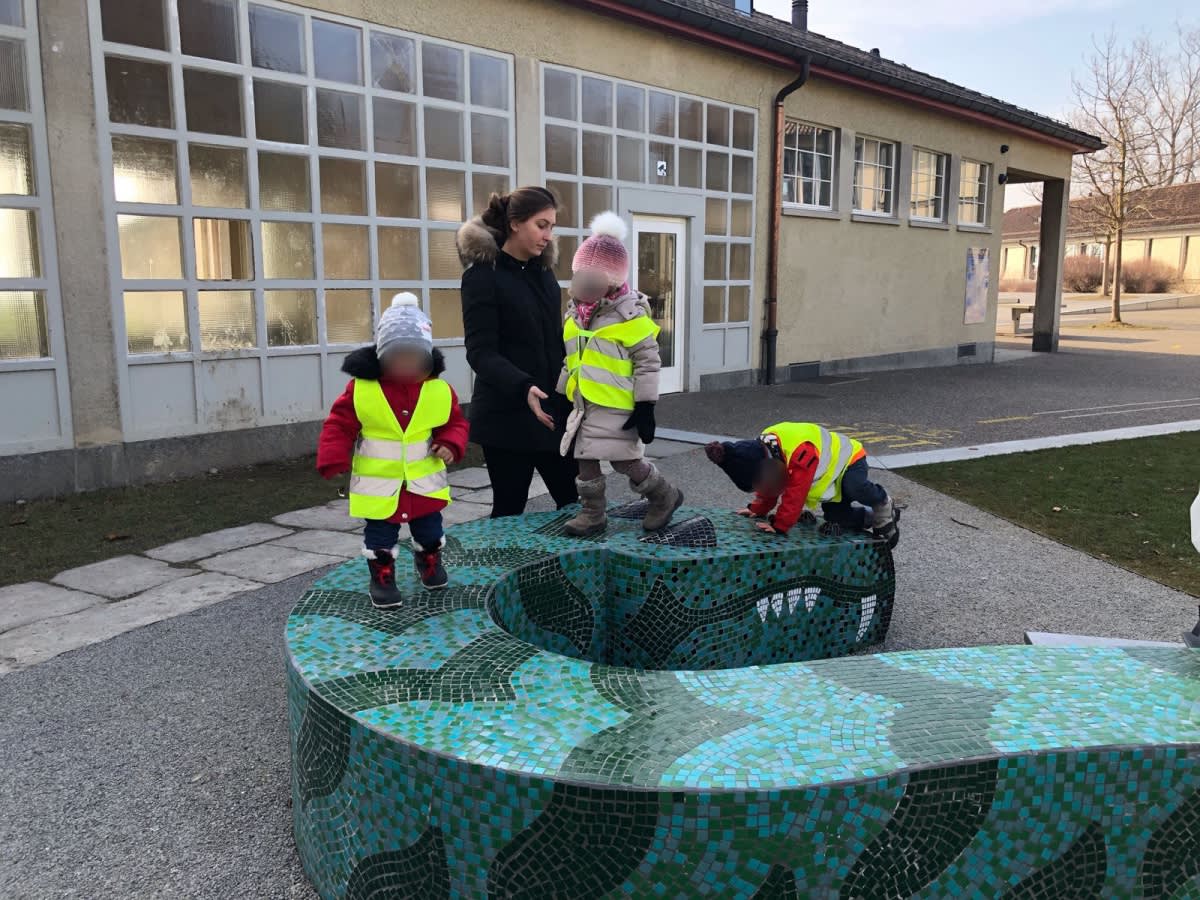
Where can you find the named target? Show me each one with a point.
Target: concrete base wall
(37, 475)
(956, 355)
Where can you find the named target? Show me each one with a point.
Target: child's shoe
(664, 499)
(382, 564)
(429, 566)
(593, 517)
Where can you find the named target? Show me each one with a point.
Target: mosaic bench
(595, 718)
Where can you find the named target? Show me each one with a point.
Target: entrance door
(659, 272)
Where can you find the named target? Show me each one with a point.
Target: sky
(1020, 51)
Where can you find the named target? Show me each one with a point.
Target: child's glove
(643, 420)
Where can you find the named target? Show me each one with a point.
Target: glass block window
(808, 165)
(928, 202)
(599, 134)
(875, 176)
(277, 172)
(974, 181)
(28, 282)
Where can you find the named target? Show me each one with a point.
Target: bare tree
(1170, 104)
(1110, 98)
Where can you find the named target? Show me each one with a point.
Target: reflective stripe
(377, 448)
(605, 378)
(429, 485)
(371, 486)
(823, 459)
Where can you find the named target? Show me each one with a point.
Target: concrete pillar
(1051, 249)
(527, 89)
(80, 226)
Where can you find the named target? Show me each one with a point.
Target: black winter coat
(512, 319)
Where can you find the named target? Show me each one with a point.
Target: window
(928, 186)
(874, 176)
(973, 181)
(808, 165)
(1033, 261)
(599, 134)
(363, 152)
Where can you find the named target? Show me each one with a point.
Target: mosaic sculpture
(596, 718)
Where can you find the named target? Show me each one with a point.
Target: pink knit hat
(604, 251)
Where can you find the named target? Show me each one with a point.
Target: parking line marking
(1005, 419)
(1084, 409)
(1123, 412)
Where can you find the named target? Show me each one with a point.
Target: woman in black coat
(512, 316)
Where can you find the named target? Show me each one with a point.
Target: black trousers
(511, 472)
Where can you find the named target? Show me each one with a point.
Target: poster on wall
(975, 310)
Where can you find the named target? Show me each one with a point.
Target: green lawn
(43, 537)
(1126, 502)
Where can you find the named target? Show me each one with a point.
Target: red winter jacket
(335, 450)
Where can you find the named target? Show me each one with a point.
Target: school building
(1162, 226)
(206, 201)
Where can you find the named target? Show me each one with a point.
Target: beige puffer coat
(599, 430)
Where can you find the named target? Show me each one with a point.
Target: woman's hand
(534, 398)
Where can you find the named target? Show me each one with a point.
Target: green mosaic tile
(618, 718)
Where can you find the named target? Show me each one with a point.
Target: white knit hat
(404, 324)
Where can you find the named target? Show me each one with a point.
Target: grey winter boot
(664, 499)
(593, 518)
(884, 519)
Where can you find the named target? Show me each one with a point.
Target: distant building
(1164, 225)
(206, 203)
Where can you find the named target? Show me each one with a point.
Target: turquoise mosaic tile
(616, 718)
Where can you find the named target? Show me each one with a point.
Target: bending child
(611, 377)
(394, 429)
(798, 465)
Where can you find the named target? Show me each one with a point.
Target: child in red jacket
(394, 429)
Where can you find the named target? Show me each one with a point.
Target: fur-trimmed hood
(477, 243)
(364, 363)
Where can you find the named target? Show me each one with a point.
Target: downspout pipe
(770, 335)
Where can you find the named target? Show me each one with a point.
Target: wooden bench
(1017, 312)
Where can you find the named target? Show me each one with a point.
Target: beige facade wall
(1166, 250)
(1132, 251)
(859, 289)
(1016, 261)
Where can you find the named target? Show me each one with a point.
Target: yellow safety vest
(598, 363)
(836, 451)
(387, 456)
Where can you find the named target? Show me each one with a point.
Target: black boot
(429, 566)
(383, 579)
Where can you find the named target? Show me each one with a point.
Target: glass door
(659, 273)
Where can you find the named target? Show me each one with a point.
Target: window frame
(856, 187)
(984, 205)
(798, 176)
(941, 175)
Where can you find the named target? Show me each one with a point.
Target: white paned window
(31, 339)
(600, 133)
(278, 173)
(973, 183)
(875, 176)
(928, 202)
(808, 165)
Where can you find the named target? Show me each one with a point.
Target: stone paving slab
(21, 604)
(121, 576)
(37, 642)
(463, 511)
(481, 496)
(538, 487)
(217, 542)
(470, 478)
(334, 543)
(326, 518)
(267, 563)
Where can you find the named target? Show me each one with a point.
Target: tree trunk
(1104, 268)
(1116, 294)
